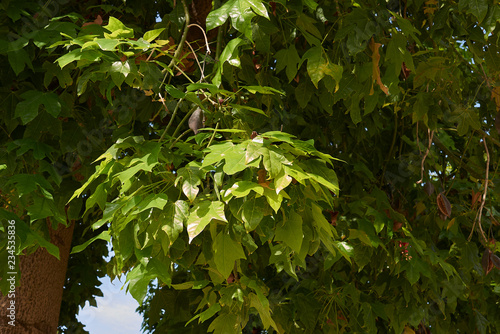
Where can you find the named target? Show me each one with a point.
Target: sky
(115, 312)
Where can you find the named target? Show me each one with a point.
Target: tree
(301, 166)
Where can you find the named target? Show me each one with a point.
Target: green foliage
(307, 201)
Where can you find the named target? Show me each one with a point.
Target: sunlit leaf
(202, 214)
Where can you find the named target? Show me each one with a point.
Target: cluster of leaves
(49, 137)
(246, 231)
(260, 203)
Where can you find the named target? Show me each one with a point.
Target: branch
(171, 119)
(204, 35)
(184, 36)
(184, 120)
(493, 140)
(430, 134)
(178, 138)
(202, 76)
(480, 213)
(471, 170)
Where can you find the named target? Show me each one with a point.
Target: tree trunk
(38, 298)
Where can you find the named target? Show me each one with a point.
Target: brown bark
(198, 12)
(38, 298)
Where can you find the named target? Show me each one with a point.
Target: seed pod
(444, 205)
(486, 261)
(196, 120)
(428, 188)
(495, 260)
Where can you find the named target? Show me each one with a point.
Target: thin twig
(204, 35)
(480, 213)
(163, 102)
(183, 73)
(171, 119)
(493, 140)
(213, 135)
(197, 61)
(430, 135)
(459, 165)
(178, 138)
(149, 57)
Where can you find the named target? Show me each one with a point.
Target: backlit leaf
(190, 178)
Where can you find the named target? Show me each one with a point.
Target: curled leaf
(405, 72)
(475, 197)
(444, 205)
(375, 67)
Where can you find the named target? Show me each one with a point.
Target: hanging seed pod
(428, 188)
(196, 120)
(444, 205)
(495, 260)
(486, 261)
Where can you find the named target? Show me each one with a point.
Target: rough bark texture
(38, 298)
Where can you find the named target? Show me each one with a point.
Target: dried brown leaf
(475, 197)
(375, 67)
(261, 178)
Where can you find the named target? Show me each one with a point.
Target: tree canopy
(259, 166)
